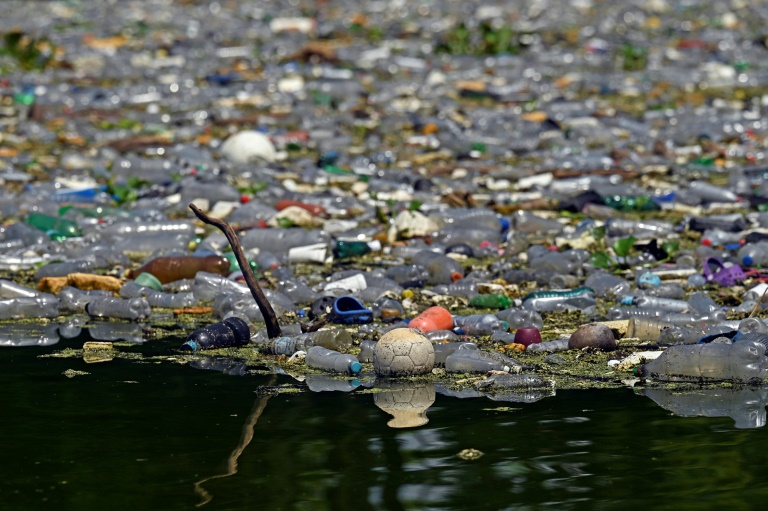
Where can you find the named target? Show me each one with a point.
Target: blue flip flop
(348, 310)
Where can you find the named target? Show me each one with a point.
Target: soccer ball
(403, 352)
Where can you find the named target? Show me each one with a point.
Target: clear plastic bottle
(743, 362)
(441, 336)
(407, 273)
(548, 301)
(10, 289)
(330, 360)
(616, 313)
(441, 268)
(518, 317)
(753, 254)
(366, 351)
(549, 346)
(606, 285)
(29, 307)
(111, 307)
(335, 339)
(701, 303)
(479, 324)
(688, 318)
(65, 268)
(465, 360)
(208, 286)
(75, 300)
(655, 302)
(444, 350)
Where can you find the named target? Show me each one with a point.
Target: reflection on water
(124, 436)
(24, 334)
(745, 405)
(407, 402)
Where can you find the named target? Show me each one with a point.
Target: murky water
(132, 435)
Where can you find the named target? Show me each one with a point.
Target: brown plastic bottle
(170, 269)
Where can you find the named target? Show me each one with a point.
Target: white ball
(248, 146)
(403, 352)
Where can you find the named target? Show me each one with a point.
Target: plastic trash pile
(509, 178)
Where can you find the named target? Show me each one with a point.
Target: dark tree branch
(273, 328)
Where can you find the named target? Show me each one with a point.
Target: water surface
(138, 435)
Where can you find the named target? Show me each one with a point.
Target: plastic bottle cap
(355, 367)
(747, 260)
(189, 345)
(627, 300)
(456, 276)
(504, 224)
(148, 280)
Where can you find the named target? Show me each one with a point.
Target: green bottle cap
(148, 280)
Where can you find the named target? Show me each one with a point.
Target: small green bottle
(233, 264)
(491, 301)
(56, 228)
(344, 249)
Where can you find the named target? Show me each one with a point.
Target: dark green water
(146, 436)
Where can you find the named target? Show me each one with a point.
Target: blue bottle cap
(504, 224)
(190, 346)
(355, 367)
(627, 300)
(747, 260)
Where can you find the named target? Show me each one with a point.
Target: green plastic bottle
(631, 203)
(491, 301)
(345, 249)
(56, 228)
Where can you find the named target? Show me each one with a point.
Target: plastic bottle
(738, 362)
(547, 301)
(168, 269)
(655, 302)
(208, 286)
(366, 351)
(753, 254)
(465, 360)
(680, 335)
(56, 228)
(687, 318)
(701, 303)
(230, 333)
(408, 273)
(548, 346)
(490, 301)
(616, 313)
(29, 307)
(110, 307)
(335, 339)
(606, 285)
(712, 193)
(517, 318)
(10, 289)
(479, 324)
(434, 318)
(445, 349)
(344, 249)
(64, 269)
(75, 300)
(330, 360)
(440, 336)
(441, 268)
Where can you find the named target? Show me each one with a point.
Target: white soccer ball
(403, 352)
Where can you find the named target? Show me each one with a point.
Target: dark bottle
(170, 269)
(229, 333)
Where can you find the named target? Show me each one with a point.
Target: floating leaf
(601, 260)
(623, 246)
